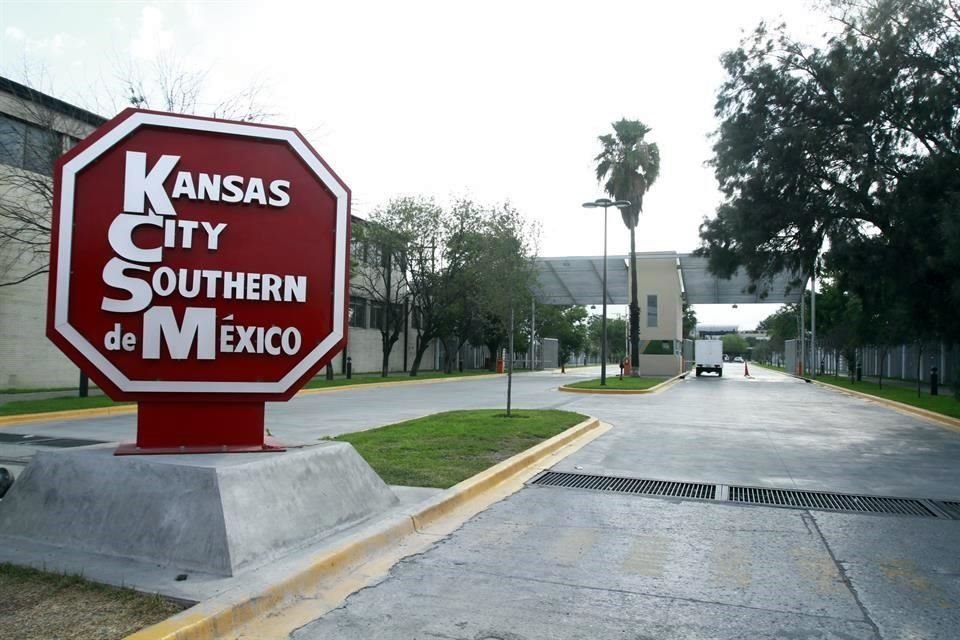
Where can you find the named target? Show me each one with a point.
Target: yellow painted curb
(942, 420)
(72, 414)
(127, 409)
(628, 392)
(219, 617)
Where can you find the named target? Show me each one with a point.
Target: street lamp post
(605, 203)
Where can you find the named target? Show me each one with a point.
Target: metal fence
(904, 362)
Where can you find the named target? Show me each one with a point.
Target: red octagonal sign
(201, 267)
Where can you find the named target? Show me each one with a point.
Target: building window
(358, 312)
(27, 146)
(651, 311)
(376, 315)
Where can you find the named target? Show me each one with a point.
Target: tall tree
(628, 166)
(852, 147)
(569, 326)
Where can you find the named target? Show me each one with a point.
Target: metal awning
(579, 280)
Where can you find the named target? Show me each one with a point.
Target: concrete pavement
(566, 563)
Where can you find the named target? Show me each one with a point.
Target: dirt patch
(35, 605)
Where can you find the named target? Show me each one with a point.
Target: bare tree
(43, 128)
(39, 128)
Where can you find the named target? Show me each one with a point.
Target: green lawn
(39, 606)
(442, 449)
(19, 407)
(12, 391)
(614, 382)
(947, 403)
(371, 378)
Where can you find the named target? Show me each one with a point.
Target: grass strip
(39, 606)
(614, 382)
(947, 404)
(19, 407)
(41, 390)
(442, 449)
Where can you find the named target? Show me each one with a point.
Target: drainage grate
(35, 440)
(627, 485)
(14, 438)
(951, 508)
(829, 501)
(63, 443)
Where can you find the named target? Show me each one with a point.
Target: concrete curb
(945, 421)
(127, 409)
(628, 392)
(224, 614)
(73, 414)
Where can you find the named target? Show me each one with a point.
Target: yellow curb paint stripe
(626, 392)
(127, 409)
(210, 620)
(72, 414)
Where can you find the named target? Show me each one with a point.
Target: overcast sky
(492, 100)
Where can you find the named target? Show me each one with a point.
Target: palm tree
(627, 167)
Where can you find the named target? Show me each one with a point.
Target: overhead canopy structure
(578, 280)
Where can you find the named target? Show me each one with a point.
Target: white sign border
(64, 253)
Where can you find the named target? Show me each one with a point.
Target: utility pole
(814, 363)
(803, 330)
(510, 363)
(533, 333)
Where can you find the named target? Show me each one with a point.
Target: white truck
(708, 356)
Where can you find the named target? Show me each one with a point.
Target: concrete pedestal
(216, 513)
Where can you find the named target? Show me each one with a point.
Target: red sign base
(199, 427)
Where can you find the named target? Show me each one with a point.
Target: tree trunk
(634, 309)
(422, 347)
(387, 341)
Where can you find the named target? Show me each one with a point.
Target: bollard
(934, 382)
(859, 372)
(349, 367)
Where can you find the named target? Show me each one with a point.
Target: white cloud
(14, 34)
(152, 37)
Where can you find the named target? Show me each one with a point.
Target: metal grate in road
(64, 443)
(14, 438)
(950, 508)
(35, 440)
(635, 486)
(829, 501)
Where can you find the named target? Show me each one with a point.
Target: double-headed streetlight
(606, 203)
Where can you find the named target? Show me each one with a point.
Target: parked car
(738, 359)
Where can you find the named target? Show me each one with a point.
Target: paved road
(565, 563)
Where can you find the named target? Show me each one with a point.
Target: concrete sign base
(217, 513)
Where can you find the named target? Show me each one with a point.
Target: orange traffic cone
(746, 371)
